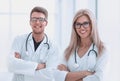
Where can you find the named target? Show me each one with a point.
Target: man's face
(38, 22)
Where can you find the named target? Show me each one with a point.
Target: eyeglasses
(40, 19)
(84, 24)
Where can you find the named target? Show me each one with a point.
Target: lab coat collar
(30, 40)
(44, 40)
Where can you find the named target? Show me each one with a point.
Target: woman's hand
(86, 73)
(62, 67)
(79, 80)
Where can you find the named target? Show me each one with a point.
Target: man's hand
(17, 55)
(41, 66)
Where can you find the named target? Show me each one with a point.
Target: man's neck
(38, 37)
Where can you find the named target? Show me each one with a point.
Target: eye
(33, 19)
(77, 25)
(86, 24)
(42, 19)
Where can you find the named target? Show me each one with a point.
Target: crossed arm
(71, 76)
(39, 66)
(74, 76)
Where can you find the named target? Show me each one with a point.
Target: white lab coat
(90, 63)
(24, 68)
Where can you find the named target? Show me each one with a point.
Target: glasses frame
(85, 24)
(35, 19)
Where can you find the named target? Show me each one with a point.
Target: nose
(37, 21)
(82, 27)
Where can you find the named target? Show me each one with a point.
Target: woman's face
(83, 27)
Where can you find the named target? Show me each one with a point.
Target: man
(33, 56)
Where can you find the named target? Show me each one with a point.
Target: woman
(85, 55)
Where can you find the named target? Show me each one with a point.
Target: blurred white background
(14, 20)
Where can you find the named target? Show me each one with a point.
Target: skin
(37, 33)
(38, 27)
(84, 34)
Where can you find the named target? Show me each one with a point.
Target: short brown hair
(41, 10)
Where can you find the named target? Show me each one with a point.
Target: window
(14, 15)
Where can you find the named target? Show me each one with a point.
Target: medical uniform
(24, 68)
(90, 63)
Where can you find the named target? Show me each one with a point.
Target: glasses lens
(85, 24)
(41, 19)
(33, 19)
(77, 25)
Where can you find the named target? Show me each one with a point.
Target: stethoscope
(76, 65)
(26, 43)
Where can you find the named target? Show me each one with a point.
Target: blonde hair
(75, 39)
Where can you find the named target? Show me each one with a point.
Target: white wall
(14, 20)
(109, 26)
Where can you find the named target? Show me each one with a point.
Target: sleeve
(99, 69)
(53, 61)
(19, 66)
(53, 56)
(59, 75)
(63, 59)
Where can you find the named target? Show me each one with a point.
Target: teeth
(37, 26)
(82, 32)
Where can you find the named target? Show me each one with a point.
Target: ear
(46, 22)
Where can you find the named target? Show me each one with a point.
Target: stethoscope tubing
(92, 50)
(28, 38)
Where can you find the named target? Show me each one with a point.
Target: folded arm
(20, 66)
(99, 69)
(39, 66)
(74, 76)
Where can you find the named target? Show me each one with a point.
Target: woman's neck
(85, 43)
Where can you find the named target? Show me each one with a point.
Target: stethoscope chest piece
(76, 65)
(27, 53)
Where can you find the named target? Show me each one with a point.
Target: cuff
(60, 75)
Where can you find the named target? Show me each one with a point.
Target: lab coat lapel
(42, 51)
(31, 43)
(41, 46)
